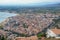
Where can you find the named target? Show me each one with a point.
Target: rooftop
(56, 31)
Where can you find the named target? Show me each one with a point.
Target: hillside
(53, 8)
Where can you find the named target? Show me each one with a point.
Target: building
(53, 33)
(27, 38)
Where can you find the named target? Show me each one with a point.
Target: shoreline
(15, 14)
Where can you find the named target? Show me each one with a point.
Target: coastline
(15, 14)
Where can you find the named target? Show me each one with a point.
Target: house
(27, 38)
(53, 33)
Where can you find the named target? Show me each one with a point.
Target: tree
(25, 25)
(39, 35)
(1, 26)
(3, 38)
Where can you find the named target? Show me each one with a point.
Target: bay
(4, 15)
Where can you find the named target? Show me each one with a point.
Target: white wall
(50, 33)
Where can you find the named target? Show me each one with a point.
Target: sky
(26, 2)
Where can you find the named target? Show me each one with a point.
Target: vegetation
(25, 25)
(56, 20)
(23, 35)
(1, 26)
(3, 38)
(57, 23)
(39, 35)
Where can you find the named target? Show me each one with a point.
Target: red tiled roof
(27, 38)
(56, 31)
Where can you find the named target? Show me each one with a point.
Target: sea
(4, 15)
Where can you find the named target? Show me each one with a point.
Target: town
(29, 26)
(29, 19)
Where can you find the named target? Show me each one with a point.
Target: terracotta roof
(22, 38)
(27, 38)
(56, 31)
(42, 38)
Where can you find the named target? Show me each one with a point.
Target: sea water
(4, 15)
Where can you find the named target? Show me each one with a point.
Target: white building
(53, 33)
